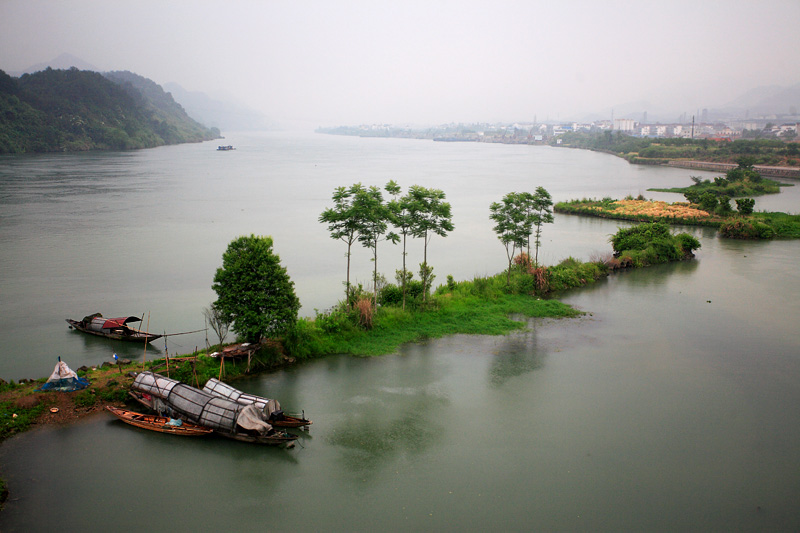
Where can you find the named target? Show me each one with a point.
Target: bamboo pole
(166, 353)
(144, 357)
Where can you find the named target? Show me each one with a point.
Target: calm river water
(672, 405)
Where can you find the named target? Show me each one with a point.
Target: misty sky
(350, 62)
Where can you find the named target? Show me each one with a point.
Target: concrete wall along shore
(773, 172)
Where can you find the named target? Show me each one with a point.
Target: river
(671, 405)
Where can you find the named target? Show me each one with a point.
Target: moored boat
(162, 424)
(112, 328)
(226, 417)
(271, 408)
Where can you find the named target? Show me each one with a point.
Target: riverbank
(773, 158)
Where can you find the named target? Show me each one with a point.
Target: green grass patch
(461, 311)
(10, 424)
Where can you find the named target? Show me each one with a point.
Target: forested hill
(73, 110)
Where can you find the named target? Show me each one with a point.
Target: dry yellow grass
(655, 209)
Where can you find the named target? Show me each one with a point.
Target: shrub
(724, 206)
(687, 243)
(391, 294)
(638, 237)
(745, 206)
(708, 202)
(334, 321)
(744, 229)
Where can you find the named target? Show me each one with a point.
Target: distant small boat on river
(112, 328)
(225, 148)
(162, 424)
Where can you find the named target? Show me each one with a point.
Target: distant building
(624, 124)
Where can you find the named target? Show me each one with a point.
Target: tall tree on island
(344, 220)
(401, 219)
(373, 216)
(430, 216)
(512, 226)
(542, 214)
(254, 291)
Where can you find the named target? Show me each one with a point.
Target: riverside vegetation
(708, 204)
(360, 326)
(658, 151)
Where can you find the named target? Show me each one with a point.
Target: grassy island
(738, 182)
(742, 224)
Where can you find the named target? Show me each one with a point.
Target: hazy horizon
(423, 62)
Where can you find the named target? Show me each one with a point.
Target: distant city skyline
(356, 62)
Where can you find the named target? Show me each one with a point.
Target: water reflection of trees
(395, 415)
(517, 354)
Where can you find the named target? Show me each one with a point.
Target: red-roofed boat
(112, 328)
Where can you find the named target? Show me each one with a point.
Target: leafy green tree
(430, 215)
(402, 220)
(511, 225)
(344, 221)
(542, 214)
(724, 206)
(372, 216)
(708, 202)
(254, 291)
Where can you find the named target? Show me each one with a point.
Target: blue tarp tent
(63, 379)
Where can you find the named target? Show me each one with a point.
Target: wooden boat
(158, 423)
(227, 418)
(274, 438)
(272, 408)
(112, 328)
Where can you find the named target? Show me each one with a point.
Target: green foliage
(456, 311)
(512, 224)
(652, 243)
(65, 110)
(739, 228)
(662, 150)
(738, 182)
(724, 207)
(708, 202)
(344, 220)
(785, 226)
(745, 206)
(85, 398)
(254, 291)
(11, 425)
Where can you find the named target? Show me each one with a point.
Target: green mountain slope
(68, 110)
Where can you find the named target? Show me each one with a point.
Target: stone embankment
(772, 172)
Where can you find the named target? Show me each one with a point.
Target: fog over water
(355, 61)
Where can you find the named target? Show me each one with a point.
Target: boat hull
(276, 438)
(158, 423)
(133, 336)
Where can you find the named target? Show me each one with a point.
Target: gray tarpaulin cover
(251, 417)
(223, 390)
(199, 406)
